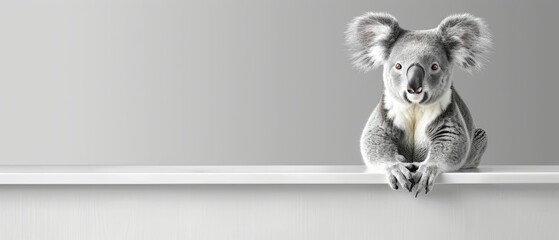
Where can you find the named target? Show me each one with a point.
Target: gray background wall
(245, 82)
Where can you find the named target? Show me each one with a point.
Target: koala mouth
(415, 98)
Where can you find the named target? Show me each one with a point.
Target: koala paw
(424, 177)
(398, 173)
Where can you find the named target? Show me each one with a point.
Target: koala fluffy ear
(370, 38)
(466, 40)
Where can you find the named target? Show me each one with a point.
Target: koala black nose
(415, 76)
(414, 91)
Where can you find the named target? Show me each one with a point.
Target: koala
(421, 127)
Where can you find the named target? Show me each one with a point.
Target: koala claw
(424, 178)
(399, 174)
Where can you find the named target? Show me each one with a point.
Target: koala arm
(448, 148)
(380, 150)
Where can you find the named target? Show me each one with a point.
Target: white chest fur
(414, 119)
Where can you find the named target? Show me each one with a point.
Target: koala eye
(398, 66)
(435, 67)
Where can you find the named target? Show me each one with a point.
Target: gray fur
(362, 35)
(413, 141)
(466, 39)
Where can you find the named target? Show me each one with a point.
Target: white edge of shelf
(354, 174)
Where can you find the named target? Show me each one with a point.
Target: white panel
(278, 212)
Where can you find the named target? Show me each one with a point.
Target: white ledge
(274, 174)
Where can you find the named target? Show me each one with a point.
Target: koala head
(417, 63)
